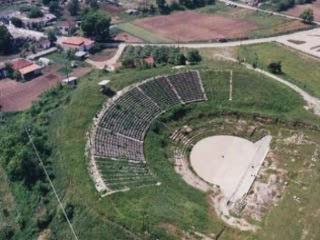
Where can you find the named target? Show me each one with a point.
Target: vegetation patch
(302, 70)
(61, 120)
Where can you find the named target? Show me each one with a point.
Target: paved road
(309, 44)
(311, 37)
(109, 62)
(241, 5)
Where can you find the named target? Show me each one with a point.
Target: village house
(149, 60)
(78, 43)
(26, 68)
(44, 43)
(34, 23)
(67, 27)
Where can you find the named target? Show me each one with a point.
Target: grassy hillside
(164, 212)
(297, 68)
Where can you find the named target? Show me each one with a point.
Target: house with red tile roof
(78, 43)
(26, 68)
(149, 60)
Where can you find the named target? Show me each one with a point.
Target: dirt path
(313, 103)
(109, 62)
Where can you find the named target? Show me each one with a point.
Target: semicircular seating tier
(118, 136)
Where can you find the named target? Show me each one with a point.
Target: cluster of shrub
(283, 5)
(21, 164)
(134, 56)
(165, 7)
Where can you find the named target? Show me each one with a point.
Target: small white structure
(103, 82)
(132, 11)
(70, 81)
(45, 61)
(81, 55)
(104, 86)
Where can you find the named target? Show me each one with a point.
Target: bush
(6, 233)
(275, 67)
(134, 56)
(17, 22)
(194, 56)
(35, 12)
(69, 209)
(98, 47)
(307, 15)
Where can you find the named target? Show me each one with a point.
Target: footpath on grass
(313, 103)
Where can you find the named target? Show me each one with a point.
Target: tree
(307, 15)
(180, 59)
(17, 75)
(5, 40)
(74, 7)
(94, 4)
(54, 8)
(128, 62)
(9, 68)
(96, 24)
(35, 12)
(162, 6)
(275, 67)
(194, 56)
(52, 36)
(161, 3)
(16, 22)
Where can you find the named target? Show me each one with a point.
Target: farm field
(17, 96)
(209, 24)
(297, 68)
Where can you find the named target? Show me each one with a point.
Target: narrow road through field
(242, 5)
(313, 103)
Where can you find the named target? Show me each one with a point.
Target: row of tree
(6, 40)
(283, 5)
(134, 56)
(165, 7)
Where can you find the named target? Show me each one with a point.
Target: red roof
(21, 63)
(69, 24)
(44, 41)
(77, 41)
(149, 60)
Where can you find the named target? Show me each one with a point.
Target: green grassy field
(297, 68)
(164, 212)
(141, 33)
